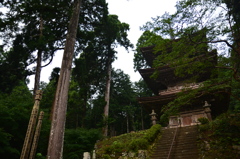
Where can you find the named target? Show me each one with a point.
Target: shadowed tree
(42, 27)
(113, 33)
(55, 146)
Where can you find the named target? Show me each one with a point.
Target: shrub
(79, 140)
(221, 134)
(164, 119)
(152, 133)
(138, 144)
(203, 120)
(127, 142)
(116, 147)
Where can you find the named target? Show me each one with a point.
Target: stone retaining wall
(142, 154)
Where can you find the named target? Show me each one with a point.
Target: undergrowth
(219, 137)
(130, 142)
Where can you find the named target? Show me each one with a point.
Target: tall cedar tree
(42, 27)
(96, 60)
(113, 33)
(55, 146)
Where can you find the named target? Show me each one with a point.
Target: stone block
(86, 155)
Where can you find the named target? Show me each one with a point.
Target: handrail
(174, 137)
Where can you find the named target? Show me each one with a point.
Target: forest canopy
(32, 33)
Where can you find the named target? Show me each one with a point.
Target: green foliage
(203, 120)
(138, 144)
(15, 109)
(125, 115)
(48, 98)
(222, 135)
(122, 102)
(148, 38)
(35, 27)
(30, 27)
(131, 142)
(76, 108)
(98, 36)
(152, 133)
(164, 120)
(40, 156)
(141, 88)
(5, 143)
(13, 70)
(112, 33)
(78, 141)
(197, 29)
(235, 102)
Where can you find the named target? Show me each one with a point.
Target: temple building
(167, 85)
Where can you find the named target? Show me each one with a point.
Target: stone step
(185, 145)
(179, 149)
(177, 141)
(176, 157)
(176, 153)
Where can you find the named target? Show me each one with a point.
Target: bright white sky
(134, 12)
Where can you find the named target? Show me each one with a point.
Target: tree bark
(56, 138)
(38, 72)
(39, 62)
(142, 119)
(107, 96)
(127, 124)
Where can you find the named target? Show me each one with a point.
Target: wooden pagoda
(167, 85)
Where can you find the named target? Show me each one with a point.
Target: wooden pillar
(36, 136)
(31, 126)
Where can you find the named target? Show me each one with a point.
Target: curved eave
(156, 102)
(219, 102)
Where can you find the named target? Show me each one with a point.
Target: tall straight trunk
(38, 71)
(84, 111)
(107, 96)
(127, 124)
(142, 119)
(39, 61)
(56, 138)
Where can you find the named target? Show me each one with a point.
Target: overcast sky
(134, 12)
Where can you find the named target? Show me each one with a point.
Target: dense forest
(102, 101)
(32, 33)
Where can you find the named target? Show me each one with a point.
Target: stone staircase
(184, 146)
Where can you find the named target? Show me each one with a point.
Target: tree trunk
(56, 138)
(107, 96)
(39, 61)
(142, 119)
(133, 126)
(127, 124)
(38, 72)
(84, 111)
